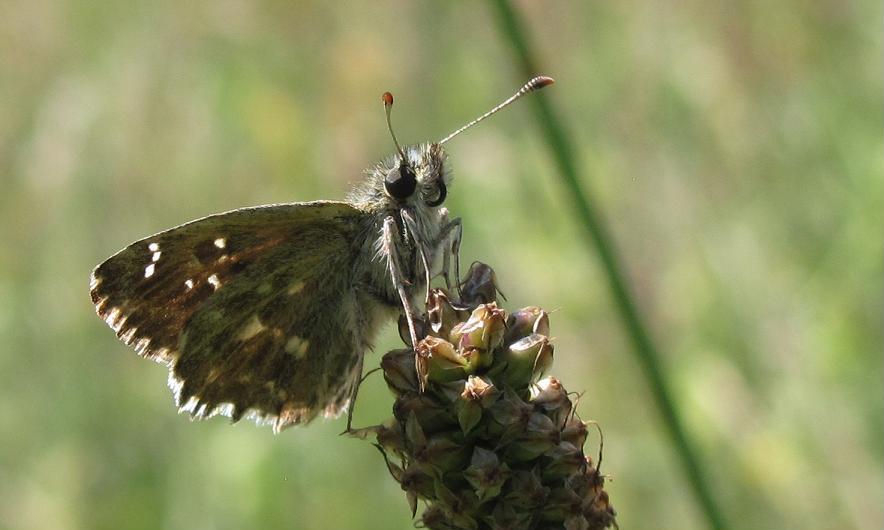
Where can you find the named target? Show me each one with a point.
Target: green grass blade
(600, 240)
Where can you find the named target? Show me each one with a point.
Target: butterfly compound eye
(440, 197)
(401, 182)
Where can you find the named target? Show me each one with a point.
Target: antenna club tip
(540, 81)
(534, 84)
(387, 98)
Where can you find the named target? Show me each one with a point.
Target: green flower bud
(468, 415)
(399, 371)
(564, 460)
(432, 415)
(486, 474)
(480, 286)
(444, 452)
(458, 507)
(575, 432)
(527, 489)
(562, 504)
(539, 436)
(439, 453)
(477, 394)
(483, 331)
(436, 518)
(526, 321)
(544, 361)
(416, 480)
(507, 516)
(438, 361)
(525, 360)
(390, 437)
(442, 315)
(510, 414)
(480, 391)
(549, 395)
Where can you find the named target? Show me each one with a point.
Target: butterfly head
(420, 176)
(416, 177)
(417, 180)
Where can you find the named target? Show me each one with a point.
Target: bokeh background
(735, 150)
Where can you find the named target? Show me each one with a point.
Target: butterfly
(267, 312)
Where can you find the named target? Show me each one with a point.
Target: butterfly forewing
(224, 302)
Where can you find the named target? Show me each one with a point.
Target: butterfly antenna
(535, 84)
(387, 98)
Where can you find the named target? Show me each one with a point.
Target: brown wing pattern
(253, 310)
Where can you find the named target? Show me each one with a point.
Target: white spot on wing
(251, 328)
(216, 283)
(220, 242)
(154, 247)
(148, 271)
(188, 284)
(297, 346)
(156, 256)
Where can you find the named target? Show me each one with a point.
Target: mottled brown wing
(253, 310)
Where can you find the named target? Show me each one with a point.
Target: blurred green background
(735, 149)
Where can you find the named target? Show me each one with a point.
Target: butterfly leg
(418, 243)
(354, 394)
(450, 237)
(388, 250)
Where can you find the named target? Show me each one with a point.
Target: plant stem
(599, 239)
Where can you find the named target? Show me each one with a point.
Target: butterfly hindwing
(253, 310)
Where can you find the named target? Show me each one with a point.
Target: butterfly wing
(253, 310)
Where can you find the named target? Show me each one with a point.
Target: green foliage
(735, 150)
